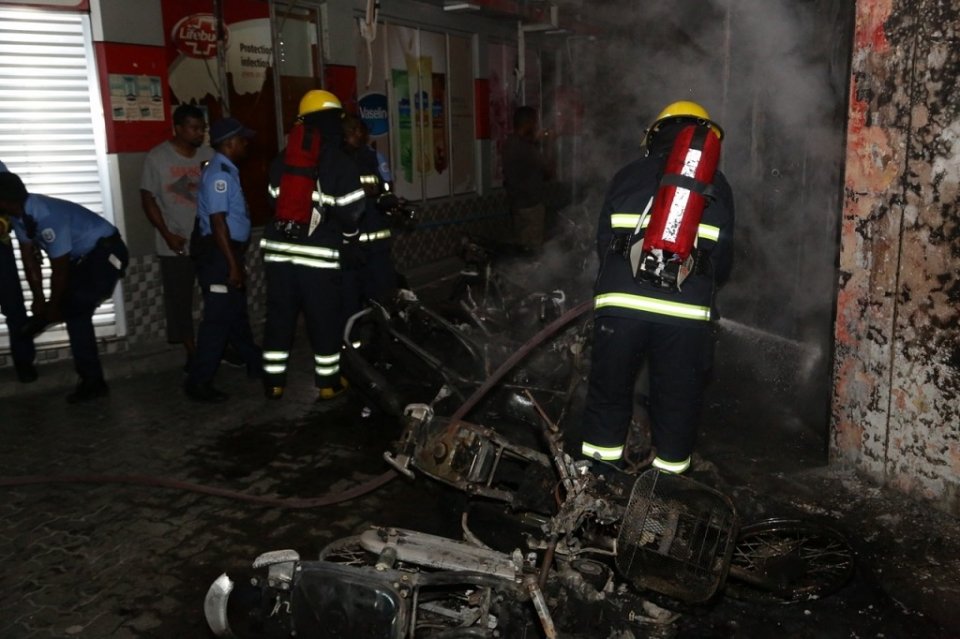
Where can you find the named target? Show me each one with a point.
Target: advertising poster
(403, 53)
(432, 112)
(192, 48)
(195, 76)
(463, 146)
(371, 88)
(418, 111)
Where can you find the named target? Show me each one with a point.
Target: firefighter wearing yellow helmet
(317, 100)
(644, 321)
(682, 110)
(318, 202)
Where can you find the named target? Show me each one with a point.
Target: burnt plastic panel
(331, 601)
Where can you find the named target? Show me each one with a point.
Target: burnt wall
(896, 405)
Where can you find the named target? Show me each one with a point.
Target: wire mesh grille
(677, 537)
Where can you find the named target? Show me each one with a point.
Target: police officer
(12, 306)
(636, 319)
(376, 277)
(222, 233)
(303, 259)
(87, 258)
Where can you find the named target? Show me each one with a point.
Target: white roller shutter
(51, 125)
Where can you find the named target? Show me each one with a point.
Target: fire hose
(513, 360)
(327, 499)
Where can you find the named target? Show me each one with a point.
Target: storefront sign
(192, 38)
(195, 36)
(373, 110)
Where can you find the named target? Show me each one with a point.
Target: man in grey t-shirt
(168, 194)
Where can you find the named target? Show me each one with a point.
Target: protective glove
(351, 254)
(387, 203)
(401, 213)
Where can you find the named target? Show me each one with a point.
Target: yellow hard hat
(318, 100)
(683, 109)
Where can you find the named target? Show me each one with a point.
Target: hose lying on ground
(327, 499)
(548, 331)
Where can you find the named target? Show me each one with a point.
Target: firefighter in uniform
(636, 320)
(304, 251)
(375, 277)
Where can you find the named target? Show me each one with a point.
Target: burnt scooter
(403, 350)
(596, 548)
(597, 544)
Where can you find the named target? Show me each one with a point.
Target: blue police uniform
(98, 259)
(638, 320)
(225, 317)
(13, 307)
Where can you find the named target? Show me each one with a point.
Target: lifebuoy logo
(195, 35)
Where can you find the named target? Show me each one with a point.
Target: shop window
(297, 56)
(415, 91)
(51, 127)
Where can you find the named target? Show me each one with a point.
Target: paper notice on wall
(249, 54)
(136, 98)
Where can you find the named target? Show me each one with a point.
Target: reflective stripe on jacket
(300, 254)
(617, 293)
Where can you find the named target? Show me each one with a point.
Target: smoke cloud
(773, 74)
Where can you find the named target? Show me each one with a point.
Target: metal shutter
(51, 125)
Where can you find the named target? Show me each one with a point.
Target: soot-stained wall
(896, 406)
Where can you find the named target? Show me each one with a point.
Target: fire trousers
(678, 358)
(315, 291)
(375, 279)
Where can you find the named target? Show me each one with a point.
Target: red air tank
(681, 196)
(298, 179)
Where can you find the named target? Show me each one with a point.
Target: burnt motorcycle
(552, 547)
(604, 554)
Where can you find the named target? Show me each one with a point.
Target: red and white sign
(192, 44)
(195, 36)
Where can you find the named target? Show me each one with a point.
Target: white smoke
(772, 74)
